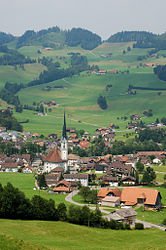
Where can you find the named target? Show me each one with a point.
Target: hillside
(77, 93)
(61, 235)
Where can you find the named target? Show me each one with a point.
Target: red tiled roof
(54, 156)
(130, 195)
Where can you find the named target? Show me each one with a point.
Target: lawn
(25, 183)
(61, 235)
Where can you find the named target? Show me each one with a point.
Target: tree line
(13, 57)
(160, 71)
(9, 122)
(14, 205)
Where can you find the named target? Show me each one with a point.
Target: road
(109, 215)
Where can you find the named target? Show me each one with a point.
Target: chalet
(27, 170)
(120, 169)
(72, 159)
(103, 192)
(82, 178)
(114, 71)
(57, 170)
(84, 144)
(102, 72)
(150, 198)
(10, 167)
(62, 187)
(52, 179)
(71, 130)
(101, 168)
(126, 215)
(52, 136)
(109, 180)
(128, 180)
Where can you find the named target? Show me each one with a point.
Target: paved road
(69, 199)
(109, 215)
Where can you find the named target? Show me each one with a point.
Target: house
(109, 180)
(62, 187)
(110, 201)
(103, 192)
(27, 170)
(84, 144)
(120, 169)
(126, 215)
(57, 170)
(82, 178)
(52, 179)
(72, 159)
(128, 180)
(101, 168)
(150, 198)
(10, 167)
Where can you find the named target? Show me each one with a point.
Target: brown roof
(9, 165)
(58, 169)
(62, 186)
(73, 157)
(111, 198)
(54, 156)
(75, 176)
(131, 194)
(126, 212)
(103, 192)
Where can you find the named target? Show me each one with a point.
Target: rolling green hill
(80, 93)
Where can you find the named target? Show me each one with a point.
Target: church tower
(64, 142)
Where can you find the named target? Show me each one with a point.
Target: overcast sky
(104, 17)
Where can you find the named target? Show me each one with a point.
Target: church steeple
(64, 142)
(64, 135)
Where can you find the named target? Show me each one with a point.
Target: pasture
(61, 235)
(25, 183)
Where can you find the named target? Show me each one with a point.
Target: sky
(104, 17)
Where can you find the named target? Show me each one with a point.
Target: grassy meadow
(61, 235)
(80, 93)
(25, 183)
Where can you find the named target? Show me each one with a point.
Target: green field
(61, 235)
(25, 183)
(80, 93)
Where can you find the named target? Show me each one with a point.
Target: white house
(82, 178)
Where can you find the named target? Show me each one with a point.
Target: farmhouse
(103, 192)
(150, 198)
(126, 215)
(82, 178)
(52, 179)
(27, 170)
(109, 180)
(62, 187)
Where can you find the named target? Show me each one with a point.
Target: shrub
(139, 226)
(164, 222)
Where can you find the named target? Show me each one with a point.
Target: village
(114, 177)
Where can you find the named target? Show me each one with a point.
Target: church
(58, 157)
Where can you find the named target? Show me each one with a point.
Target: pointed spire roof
(64, 135)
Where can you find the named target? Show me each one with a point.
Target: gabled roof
(54, 156)
(126, 212)
(62, 186)
(131, 195)
(103, 192)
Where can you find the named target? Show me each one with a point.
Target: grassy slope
(80, 100)
(25, 183)
(80, 94)
(59, 235)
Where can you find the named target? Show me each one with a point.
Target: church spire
(64, 135)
